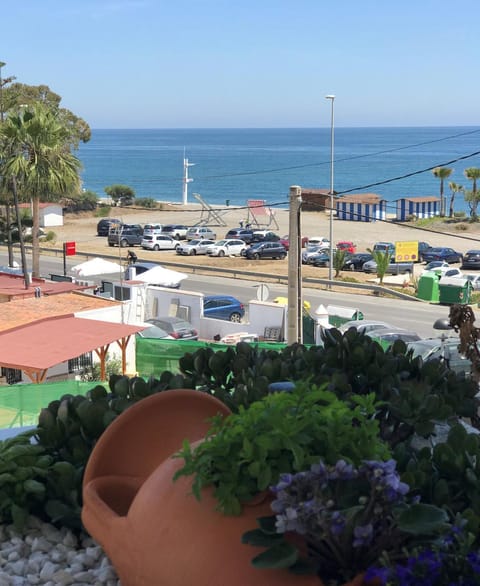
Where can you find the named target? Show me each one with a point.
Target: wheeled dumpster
(454, 290)
(428, 288)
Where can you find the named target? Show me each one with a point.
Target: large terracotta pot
(155, 532)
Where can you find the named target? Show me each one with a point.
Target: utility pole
(295, 303)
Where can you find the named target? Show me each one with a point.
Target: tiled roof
(24, 311)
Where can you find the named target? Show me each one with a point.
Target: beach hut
(315, 200)
(362, 207)
(419, 207)
(51, 214)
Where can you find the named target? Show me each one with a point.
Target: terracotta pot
(155, 531)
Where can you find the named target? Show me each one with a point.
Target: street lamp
(330, 264)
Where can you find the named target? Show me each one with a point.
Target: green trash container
(454, 290)
(428, 287)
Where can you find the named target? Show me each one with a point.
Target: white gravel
(44, 555)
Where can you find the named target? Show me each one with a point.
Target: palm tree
(454, 188)
(382, 258)
(442, 173)
(473, 173)
(38, 156)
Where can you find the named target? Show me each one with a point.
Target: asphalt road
(411, 315)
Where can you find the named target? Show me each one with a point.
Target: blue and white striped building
(366, 207)
(419, 207)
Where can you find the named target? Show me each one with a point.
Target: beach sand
(81, 228)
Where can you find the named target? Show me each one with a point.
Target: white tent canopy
(162, 277)
(96, 266)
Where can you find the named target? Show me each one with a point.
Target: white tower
(186, 179)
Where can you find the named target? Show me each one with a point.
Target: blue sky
(250, 63)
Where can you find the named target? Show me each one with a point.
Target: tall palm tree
(454, 188)
(473, 173)
(39, 157)
(442, 173)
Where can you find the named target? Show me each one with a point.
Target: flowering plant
(347, 516)
(446, 562)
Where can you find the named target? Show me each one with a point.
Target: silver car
(199, 232)
(195, 247)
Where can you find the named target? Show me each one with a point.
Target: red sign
(69, 248)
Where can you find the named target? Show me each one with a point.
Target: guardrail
(239, 274)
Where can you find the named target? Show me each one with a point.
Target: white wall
(51, 216)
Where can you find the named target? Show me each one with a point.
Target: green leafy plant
(284, 432)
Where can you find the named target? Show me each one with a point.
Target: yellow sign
(406, 251)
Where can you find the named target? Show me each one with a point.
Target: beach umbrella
(162, 277)
(95, 266)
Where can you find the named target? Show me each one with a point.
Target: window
(12, 375)
(80, 363)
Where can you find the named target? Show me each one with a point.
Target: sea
(230, 166)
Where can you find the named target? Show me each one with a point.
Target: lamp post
(332, 135)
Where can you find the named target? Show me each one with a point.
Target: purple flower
(363, 535)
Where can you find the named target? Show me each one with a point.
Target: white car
(227, 247)
(195, 247)
(150, 229)
(159, 242)
(325, 242)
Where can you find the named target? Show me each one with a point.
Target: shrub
(461, 227)
(146, 202)
(102, 211)
(50, 236)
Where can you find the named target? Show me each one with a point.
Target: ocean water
(241, 164)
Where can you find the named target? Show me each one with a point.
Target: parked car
(194, 247)
(389, 336)
(199, 232)
(393, 268)
(422, 247)
(104, 225)
(125, 235)
(176, 327)
(154, 332)
(240, 234)
(159, 242)
(471, 259)
(452, 273)
(223, 307)
(265, 236)
(325, 242)
(177, 231)
(357, 260)
(445, 350)
(310, 251)
(475, 281)
(285, 240)
(384, 247)
(265, 250)
(442, 253)
(228, 246)
(150, 229)
(437, 266)
(346, 245)
(319, 259)
(364, 325)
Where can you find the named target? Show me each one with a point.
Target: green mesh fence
(20, 405)
(153, 356)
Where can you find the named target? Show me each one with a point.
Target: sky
(250, 63)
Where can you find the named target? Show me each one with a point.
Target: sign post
(68, 250)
